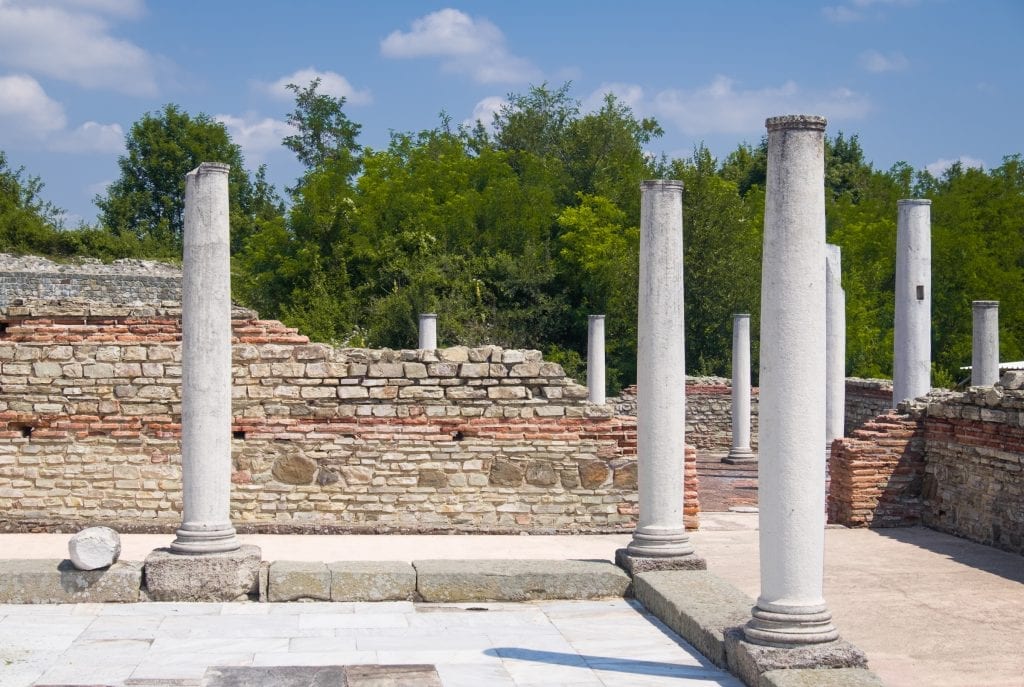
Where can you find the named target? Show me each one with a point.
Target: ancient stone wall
(123, 281)
(866, 399)
(459, 439)
(953, 461)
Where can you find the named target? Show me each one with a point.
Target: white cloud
(721, 108)
(331, 83)
(256, 136)
(874, 61)
(130, 9)
(485, 110)
(26, 110)
(470, 46)
(941, 165)
(65, 41)
(628, 93)
(91, 137)
(855, 10)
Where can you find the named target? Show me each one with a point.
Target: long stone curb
(55, 581)
(518, 580)
(709, 613)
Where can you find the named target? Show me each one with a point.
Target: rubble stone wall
(866, 399)
(24, 278)
(951, 461)
(325, 439)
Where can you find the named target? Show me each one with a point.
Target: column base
(228, 576)
(749, 661)
(740, 455)
(198, 542)
(788, 630)
(634, 564)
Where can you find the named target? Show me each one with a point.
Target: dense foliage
(515, 232)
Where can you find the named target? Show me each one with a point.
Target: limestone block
(94, 548)
(518, 580)
(228, 576)
(462, 393)
(551, 370)
(434, 479)
(513, 357)
(541, 475)
(47, 369)
(34, 581)
(625, 475)
(593, 473)
(294, 580)
(820, 677)
(526, 369)
(507, 393)
(415, 370)
(474, 370)
(696, 605)
(353, 392)
(443, 369)
(505, 473)
(1012, 379)
(455, 354)
(750, 661)
(422, 392)
(385, 370)
(372, 581)
(294, 468)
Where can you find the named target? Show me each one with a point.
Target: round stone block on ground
(94, 548)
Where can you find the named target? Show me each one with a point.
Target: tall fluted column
(791, 610)
(740, 451)
(595, 359)
(428, 331)
(206, 366)
(661, 375)
(985, 343)
(835, 346)
(912, 345)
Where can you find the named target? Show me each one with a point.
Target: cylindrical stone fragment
(595, 359)
(740, 450)
(985, 343)
(94, 548)
(661, 375)
(835, 346)
(428, 331)
(206, 366)
(791, 476)
(912, 347)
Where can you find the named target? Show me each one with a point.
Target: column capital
(796, 122)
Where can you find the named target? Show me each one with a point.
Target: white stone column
(206, 366)
(791, 610)
(985, 343)
(740, 451)
(835, 346)
(595, 359)
(428, 331)
(661, 375)
(912, 344)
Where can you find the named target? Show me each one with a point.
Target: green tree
(148, 198)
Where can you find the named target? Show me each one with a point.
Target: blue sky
(924, 81)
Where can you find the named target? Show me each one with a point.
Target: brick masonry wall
(459, 439)
(953, 462)
(123, 281)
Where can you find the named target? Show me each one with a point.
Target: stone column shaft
(661, 374)
(428, 331)
(835, 351)
(985, 343)
(595, 359)
(740, 451)
(912, 347)
(791, 610)
(206, 366)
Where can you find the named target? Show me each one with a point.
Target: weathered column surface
(912, 347)
(740, 452)
(661, 385)
(428, 331)
(791, 610)
(206, 366)
(985, 343)
(835, 346)
(595, 359)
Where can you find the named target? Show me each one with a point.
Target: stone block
(750, 661)
(94, 548)
(49, 580)
(455, 354)
(294, 469)
(528, 369)
(455, 581)
(229, 576)
(507, 393)
(541, 475)
(372, 581)
(386, 370)
(474, 370)
(593, 473)
(820, 677)
(505, 473)
(696, 605)
(295, 580)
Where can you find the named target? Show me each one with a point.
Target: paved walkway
(569, 643)
(928, 608)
